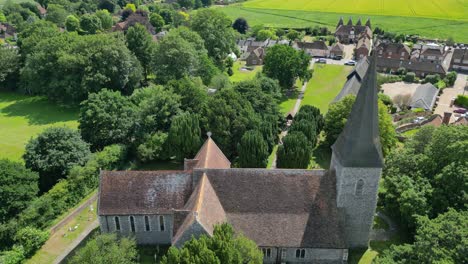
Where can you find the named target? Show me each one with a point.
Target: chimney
(446, 119)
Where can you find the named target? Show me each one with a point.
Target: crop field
(23, 117)
(445, 9)
(436, 19)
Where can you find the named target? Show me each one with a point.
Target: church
(293, 215)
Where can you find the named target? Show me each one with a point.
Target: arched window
(359, 187)
(300, 253)
(147, 224)
(161, 223)
(132, 223)
(117, 223)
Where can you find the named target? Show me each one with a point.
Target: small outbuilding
(424, 97)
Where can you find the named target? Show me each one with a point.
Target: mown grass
(243, 74)
(325, 85)
(23, 117)
(452, 9)
(442, 28)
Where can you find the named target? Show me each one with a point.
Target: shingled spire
(359, 143)
(359, 23)
(368, 23)
(350, 21)
(340, 23)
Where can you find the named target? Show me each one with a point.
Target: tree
(31, 239)
(153, 147)
(223, 247)
(34, 33)
(189, 4)
(106, 118)
(295, 152)
(106, 19)
(18, 187)
(402, 101)
(2, 17)
(451, 182)
(193, 94)
(214, 27)
(265, 34)
(293, 35)
(253, 150)
(53, 153)
(90, 24)
(241, 25)
(9, 68)
(140, 42)
(185, 136)
(285, 64)
(157, 21)
(56, 14)
(308, 128)
(68, 67)
(107, 248)
(72, 23)
(337, 116)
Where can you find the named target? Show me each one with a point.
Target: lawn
(294, 14)
(242, 74)
(325, 85)
(23, 117)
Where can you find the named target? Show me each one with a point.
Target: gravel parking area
(394, 89)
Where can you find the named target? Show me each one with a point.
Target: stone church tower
(357, 162)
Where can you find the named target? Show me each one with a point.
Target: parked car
(418, 119)
(338, 57)
(460, 111)
(321, 60)
(350, 63)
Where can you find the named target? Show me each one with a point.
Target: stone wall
(143, 237)
(312, 255)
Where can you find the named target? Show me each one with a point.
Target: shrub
(450, 78)
(401, 71)
(13, 256)
(409, 77)
(441, 84)
(418, 110)
(31, 239)
(432, 78)
(461, 100)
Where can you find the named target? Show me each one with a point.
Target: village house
(253, 51)
(363, 47)
(255, 57)
(432, 53)
(337, 50)
(420, 68)
(459, 60)
(391, 50)
(350, 33)
(317, 48)
(424, 97)
(293, 215)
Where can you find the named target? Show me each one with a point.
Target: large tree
(185, 136)
(18, 187)
(253, 150)
(193, 94)
(285, 64)
(215, 29)
(295, 152)
(140, 42)
(106, 118)
(241, 25)
(223, 247)
(157, 21)
(68, 67)
(90, 23)
(53, 153)
(9, 68)
(338, 113)
(107, 248)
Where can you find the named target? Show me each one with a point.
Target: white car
(350, 63)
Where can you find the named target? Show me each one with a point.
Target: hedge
(461, 100)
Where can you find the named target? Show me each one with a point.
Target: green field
(429, 19)
(23, 117)
(325, 85)
(240, 74)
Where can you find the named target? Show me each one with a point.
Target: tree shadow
(37, 110)
(322, 155)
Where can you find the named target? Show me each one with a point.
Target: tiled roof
(460, 54)
(288, 208)
(143, 192)
(396, 48)
(210, 156)
(353, 84)
(412, 65)
(424, 96)
(337, 47)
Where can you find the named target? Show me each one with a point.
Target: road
(449, 93)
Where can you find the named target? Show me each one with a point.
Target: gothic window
(359, 187)
(300, 253)
(147, 224)
(132, 223)
(161, 223)
(117, 223)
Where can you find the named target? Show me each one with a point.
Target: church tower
(357, 162)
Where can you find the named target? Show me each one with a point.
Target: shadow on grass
(322, 155)
(37, 110)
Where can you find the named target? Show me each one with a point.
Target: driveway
(394, 89)
(450, 93)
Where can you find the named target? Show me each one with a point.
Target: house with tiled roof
(337, 50)
(424, 97)
(420, 68)
(350, 33)
(459, 60)
(392, 50)
(363, 47)
(293, 215)
(317, 48)
(255, 57)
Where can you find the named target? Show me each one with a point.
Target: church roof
(211, 156)
(353, 84)
(359, 143)
(143, 192)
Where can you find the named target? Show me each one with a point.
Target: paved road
(449, 93)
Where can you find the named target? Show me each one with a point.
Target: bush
(450, 78)
(461, 100)
(409, 77)
(31, 239)
(386, 99)
(401, 71)
(13, 256)
(418, 110)
(432, 78)
(441, 84)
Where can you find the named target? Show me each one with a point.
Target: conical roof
(359, 23)
(368, 23)
(340, 23)
(359, 143)
(350, 21)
